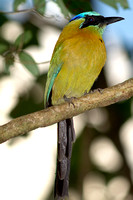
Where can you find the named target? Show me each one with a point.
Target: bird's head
(89, 19)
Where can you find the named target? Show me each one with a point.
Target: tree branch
(49, 116)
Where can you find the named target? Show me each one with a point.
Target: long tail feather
(66, 136)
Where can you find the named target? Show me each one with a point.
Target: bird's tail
(66, 136)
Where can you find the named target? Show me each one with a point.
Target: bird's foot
(69, 100)
(95, 90)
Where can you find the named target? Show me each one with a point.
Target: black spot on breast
(100, 40)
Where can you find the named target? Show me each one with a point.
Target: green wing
(55, 67)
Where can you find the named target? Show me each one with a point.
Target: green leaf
(77, 7)
(111, 3)
(123, 3)
(17, 3)
(39, 6)
(3, 48)
(114, 3)
(23, 39)
(28, 62)
(9, 60)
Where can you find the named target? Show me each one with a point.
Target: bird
(77, 60)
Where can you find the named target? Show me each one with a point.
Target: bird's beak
(110, 20)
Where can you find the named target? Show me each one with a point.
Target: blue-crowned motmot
(78, 57)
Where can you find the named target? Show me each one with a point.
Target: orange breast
(83, 56)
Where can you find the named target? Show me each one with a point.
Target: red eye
(91, 19)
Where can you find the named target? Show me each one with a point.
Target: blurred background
(102, 161)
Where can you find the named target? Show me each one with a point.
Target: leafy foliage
(79, 6)
(23, 39)
(123, 3)
(28, 62)
(9, 50)
(3, 48)
(17, 3)
(114, 3)
(9, 61)
(39, 6)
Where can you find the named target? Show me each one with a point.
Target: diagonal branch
(49, 116)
